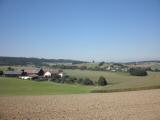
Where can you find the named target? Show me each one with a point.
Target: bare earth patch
(136, 105)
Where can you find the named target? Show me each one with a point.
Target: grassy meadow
(15, 86)
(117, 81)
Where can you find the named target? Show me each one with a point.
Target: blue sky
(108, 30)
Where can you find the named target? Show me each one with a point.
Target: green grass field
(117, 82)
(14, 86)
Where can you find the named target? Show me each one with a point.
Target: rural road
(135, 105)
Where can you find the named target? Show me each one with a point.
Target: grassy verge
(126, 89)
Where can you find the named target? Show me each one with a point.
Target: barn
(12, 73)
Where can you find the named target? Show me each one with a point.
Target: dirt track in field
(136, 105)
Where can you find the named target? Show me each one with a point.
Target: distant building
(61, 74)
(47, 74)
(12, 73)
(25, 77)
(55, 73)
(108, 68)
(32, 71)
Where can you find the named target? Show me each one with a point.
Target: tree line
(34, 61)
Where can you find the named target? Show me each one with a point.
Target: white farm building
(47, 74)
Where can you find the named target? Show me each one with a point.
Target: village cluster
(34, 74)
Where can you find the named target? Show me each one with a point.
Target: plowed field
(135, 105)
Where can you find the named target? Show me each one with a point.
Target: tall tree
(41, 72)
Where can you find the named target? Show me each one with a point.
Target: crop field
(135, 105)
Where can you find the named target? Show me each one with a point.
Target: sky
(100, 30)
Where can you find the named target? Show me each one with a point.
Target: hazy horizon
(100, 30)
(88, 60)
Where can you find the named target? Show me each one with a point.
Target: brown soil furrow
(135, 105)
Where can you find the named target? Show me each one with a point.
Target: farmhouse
(57, 72)
(61, 74)
(32, 71)
(47, 74)
(52, 72)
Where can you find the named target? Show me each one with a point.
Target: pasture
(119, 81)
(116, 82)
(15, 86)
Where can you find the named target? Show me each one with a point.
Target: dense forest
(34, 61)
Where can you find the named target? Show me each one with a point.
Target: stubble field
(135, 105)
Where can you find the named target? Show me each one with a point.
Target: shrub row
(138, 72)
(1, 72)
(73, 80)
(83, 81)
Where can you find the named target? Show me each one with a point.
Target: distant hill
(154, 64)
(34, 61)
(144, 62)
